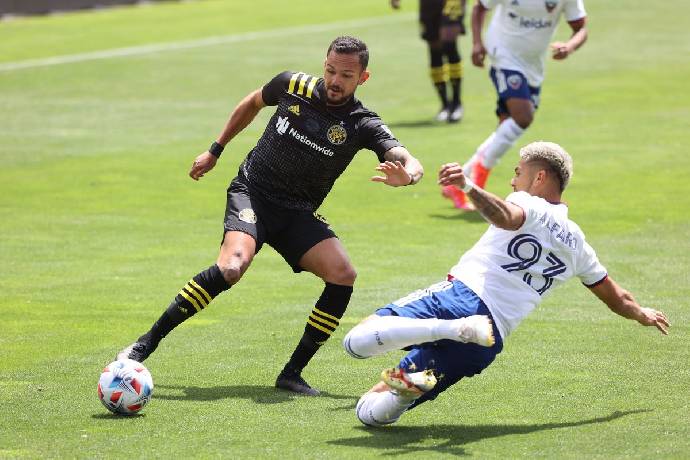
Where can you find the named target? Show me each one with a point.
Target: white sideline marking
(198, 43)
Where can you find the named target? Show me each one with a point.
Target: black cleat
(138, 351)
(292, 381)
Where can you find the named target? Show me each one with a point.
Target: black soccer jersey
(307, 145)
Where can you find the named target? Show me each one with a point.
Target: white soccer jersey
(511, 271)
(520, 32)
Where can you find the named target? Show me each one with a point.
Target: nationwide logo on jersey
(294, 109)
(550, 5)
(248, 215)
(514, 81)
(336, 134)
(282, 125)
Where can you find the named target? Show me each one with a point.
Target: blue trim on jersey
(450, 360)
(512, 84)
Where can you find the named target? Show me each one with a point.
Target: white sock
(378, 409)
(503, 138)
(388, 333)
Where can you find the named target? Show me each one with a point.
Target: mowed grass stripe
(203, 42)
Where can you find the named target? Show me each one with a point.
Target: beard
(338, 97)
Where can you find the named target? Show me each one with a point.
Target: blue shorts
(450, 360)
(512, 84)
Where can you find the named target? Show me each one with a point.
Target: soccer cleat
(409, 385)
(138, 351)
(455, 115)
(442, 115)
(476, 329)
(458, 197)
(292, 381)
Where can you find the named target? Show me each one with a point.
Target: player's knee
(364, 411)
(523, 119)
(233, 265)
(234, 268)
(351, 340)
(450, 49)
(344, 275)
(231, 273)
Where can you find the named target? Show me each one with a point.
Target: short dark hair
(350, 45)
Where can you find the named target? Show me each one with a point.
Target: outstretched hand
(202, 164)
(451, 174)
(395, 174)
(652, 317)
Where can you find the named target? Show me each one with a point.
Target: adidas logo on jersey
(294, 109)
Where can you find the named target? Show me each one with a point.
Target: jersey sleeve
(488, 4)
(590, 271)
(530, 205)
(376, 136)
(574, 10)
(274, 89)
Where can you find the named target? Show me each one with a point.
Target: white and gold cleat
(476, 329)
(410, 385)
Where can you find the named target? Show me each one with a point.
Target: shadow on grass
(399, 440)
(260, 394)
(460, 215)
(112, 416)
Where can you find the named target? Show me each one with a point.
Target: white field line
(208, 41)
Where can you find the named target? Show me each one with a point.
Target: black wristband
(215, 149)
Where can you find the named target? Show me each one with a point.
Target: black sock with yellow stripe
(192, 298)
(450, 49)
(438, 73)
(322, 322)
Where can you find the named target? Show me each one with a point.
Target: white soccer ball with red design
(125, 386)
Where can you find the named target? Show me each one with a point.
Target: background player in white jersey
(516, 42)
(455, 328)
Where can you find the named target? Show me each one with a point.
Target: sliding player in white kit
(455, 328)
(516, 43)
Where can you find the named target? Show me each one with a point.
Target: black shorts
(290, 232)
(436, 13)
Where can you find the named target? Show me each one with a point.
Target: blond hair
(554, 156)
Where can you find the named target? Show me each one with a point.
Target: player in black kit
(441, 22)
(314, 134)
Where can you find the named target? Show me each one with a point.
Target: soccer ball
(125, 387)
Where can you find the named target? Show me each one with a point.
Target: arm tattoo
(492, 208)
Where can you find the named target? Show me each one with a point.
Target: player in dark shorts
(314, 134)
(441, 22)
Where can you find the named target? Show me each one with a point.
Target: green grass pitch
(100, 227)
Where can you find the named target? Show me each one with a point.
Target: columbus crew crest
(336, 134)
(247, 215)
(550, 5)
